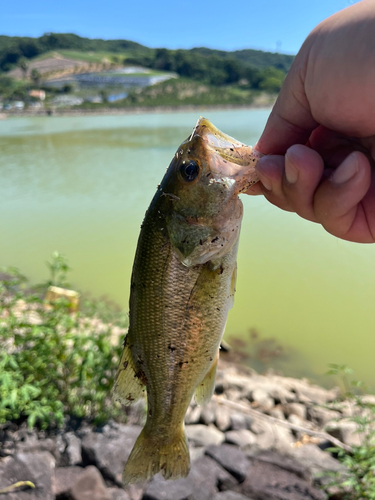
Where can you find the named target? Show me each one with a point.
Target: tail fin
(154, 453)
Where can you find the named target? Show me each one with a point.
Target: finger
(290, 121)
(338, 200)
(255, 189)
(303, 172)
(270, 170)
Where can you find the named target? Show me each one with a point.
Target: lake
(81, 185)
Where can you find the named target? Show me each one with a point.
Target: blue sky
(262, 24)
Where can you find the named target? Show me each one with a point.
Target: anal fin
(205, 389)
(127, 387)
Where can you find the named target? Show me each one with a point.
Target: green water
(81, 185)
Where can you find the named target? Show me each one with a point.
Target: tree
(35, 77)
(23, 64)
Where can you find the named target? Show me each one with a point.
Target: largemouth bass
(182, 287)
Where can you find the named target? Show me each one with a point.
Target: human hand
(320, 137)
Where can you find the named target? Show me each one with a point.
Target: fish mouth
(228, 157)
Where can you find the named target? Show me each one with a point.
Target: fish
(182, 287)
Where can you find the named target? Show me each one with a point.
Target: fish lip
(228, 157)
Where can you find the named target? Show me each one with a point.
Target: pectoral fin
(205, 389)
(128, 387)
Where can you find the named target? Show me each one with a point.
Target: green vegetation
(359, 481)
(55, 364)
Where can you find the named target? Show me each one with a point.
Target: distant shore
(128, 111)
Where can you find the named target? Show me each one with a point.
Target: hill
(12, 49)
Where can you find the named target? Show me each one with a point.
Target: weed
(52, 363)
(359, 481)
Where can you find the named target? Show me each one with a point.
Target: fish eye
(189, 171)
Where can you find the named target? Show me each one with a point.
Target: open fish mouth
(228, 157)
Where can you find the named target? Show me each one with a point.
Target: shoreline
(136, 110)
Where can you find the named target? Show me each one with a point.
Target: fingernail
(260, 167)
(291, 173)
(347, 169)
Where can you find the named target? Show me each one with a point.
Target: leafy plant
(359, 481)
(54, 364)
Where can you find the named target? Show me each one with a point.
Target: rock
(229, 495)
(278, 412)
(223, 420)
(240, 438)
(65, 478)
(347, 432)
(90, 486)
(201, 435)
(208, 414)
(296, 420)
(267, 481)
(273, 437)
(110, 452)
(201, 484)
(295, 409)
(35, 467)
(261, 397)
(73, 450)
(316, 461)
(37, 446)
(284, 462)
(231, 459)
(239, 421)
(193, 415)
(321, 416)
(258, 426)
(118, 494)
(206, 476)
(196, 452)
(160, 489)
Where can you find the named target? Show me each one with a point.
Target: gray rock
(241, 438)
(118, 494)
(347, 432)
(193, 415)
(239, 421)
(231, 459)
(223, 420)
(201, 484)
(110, 452)
(35, 467)
(160, 489)
(208, 414)
(229, 495)
(316, 461)
(90, 486)
(259, 427)
(266, 481)
(284, 462)
(65, 478)
(206, 476)
(196, 452)
(274, 437)
(322, 416)
(36, 446)
(295, 409)
(73, 450)
(201, 435)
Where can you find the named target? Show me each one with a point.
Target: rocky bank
(260, 438)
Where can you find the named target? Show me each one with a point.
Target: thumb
(290, 121)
